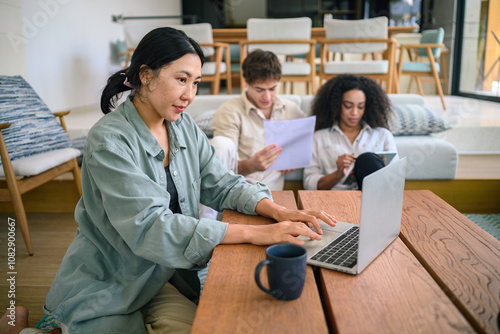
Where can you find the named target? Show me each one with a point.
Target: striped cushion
(34, 129)
(415, 120)
(204, 122)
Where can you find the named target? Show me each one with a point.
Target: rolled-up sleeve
(138, 211)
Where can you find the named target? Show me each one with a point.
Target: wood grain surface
(463, 258)
(231, 302)
(394, 294)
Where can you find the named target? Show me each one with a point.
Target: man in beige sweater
(242, 119)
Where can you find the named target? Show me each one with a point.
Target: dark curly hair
(327, 104)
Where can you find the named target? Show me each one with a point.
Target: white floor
(476, 123)
(466, 112)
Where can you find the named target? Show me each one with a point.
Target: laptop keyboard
(342, 251)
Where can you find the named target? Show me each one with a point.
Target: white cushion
(357, 29)
(357, 67)
(306, 103)
(429, 158)
(209, 68)
(276, 29)
(202, 103)
(291, 97)
(290, 68)
(39, 163)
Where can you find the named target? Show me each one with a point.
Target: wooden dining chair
(351, 38)
(34, 147)
(284, 37)
(425, 63)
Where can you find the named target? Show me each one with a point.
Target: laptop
(351, 248)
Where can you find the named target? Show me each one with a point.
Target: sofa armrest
(429, 158)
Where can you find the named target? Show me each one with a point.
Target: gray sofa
(429, 157)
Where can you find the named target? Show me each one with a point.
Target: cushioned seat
(290, 68)
(419, 67)
(39, 163)
(357, 67)
(34, 147)
(209, 68)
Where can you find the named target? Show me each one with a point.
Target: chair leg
(445, 73)
(229, 85)
(22, 221)
(439, 89)
(410, 83)
(77, 176)
(215, 87)
(419, 86)
(395, 84)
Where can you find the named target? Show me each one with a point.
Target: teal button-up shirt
(128, 243)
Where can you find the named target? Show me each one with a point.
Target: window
(477, 61)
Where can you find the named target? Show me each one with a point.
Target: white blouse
(329, 144)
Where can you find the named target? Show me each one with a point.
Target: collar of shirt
(365, 127)
(278, 105)
(151, 145)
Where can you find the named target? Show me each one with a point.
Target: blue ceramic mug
(286, 271)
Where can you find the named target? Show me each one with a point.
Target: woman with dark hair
(132, 267)
(352, 115)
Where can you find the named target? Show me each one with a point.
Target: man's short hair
(260, 66)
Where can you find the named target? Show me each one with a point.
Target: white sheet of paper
(295, 136)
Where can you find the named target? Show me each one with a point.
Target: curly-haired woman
(352, 115)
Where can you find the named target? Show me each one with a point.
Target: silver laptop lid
(381, 208)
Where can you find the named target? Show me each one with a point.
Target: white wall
(13, 51)
(68, 44)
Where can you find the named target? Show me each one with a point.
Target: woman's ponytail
(117, 83)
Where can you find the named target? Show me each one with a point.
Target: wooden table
(463, 258)
(231, 302)
(441, 276)
(235, 35)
